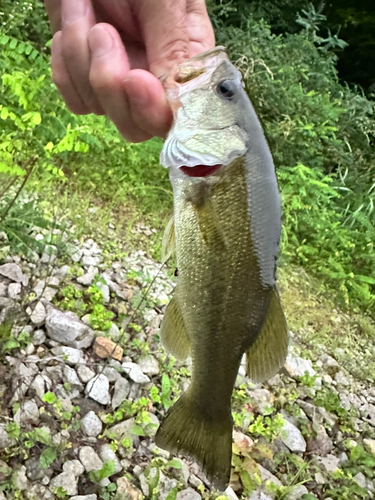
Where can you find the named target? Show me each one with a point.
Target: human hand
(107, 56)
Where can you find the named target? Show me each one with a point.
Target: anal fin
(267, 354)
(173, 333)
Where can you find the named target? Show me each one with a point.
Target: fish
(225, 232)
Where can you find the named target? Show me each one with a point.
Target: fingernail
(72, 10)
(100, 41)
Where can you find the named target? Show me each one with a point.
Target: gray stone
(341, 379)
(14, 273)
(291, 436)
(20, 479)
(188, 494)
(297, 492)
(89, 261)
(266, 476)
(114, 332)
(27, 413)
(105, 291)
(69, 354)
(5, 440)
(262, 398)
(39, 386)
(106, 453)
(111, 373)
(33, 470)
(98, 389)
(71, 377)
(3, 290)
(87, 278)
(74, 467)
(67, 328)
(329, 364)
(38, 314)
(121, 391)
(360, 479)
(319, 478)
(84, 497)
(39, 492)
(67, 481)
(368, 414)
(330, 463)
(229, 493)
(14, 290)
(135, 373)
(259, 495)
(85, 373)
(49, 254)
(123, 429)
(296, 366)
(320, 443)
(91, 424)
(39, 337)
(89, 459)
(149, 365)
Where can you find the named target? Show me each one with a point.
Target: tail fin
(206, 439)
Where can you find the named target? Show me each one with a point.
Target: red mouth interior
(200, 170)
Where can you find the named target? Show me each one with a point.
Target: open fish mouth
(200, 170)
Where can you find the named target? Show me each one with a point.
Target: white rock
(111, 373)
(89, 261)
(89, 459)
(14, 273)
(65, 327)
(5, 440)
(149, 365)
(49, 254)
(71, 377)
(85, 373)
(329, 364)
(114, 332)
(341, 379)
(74, 467)
(39, 386)
(266, 476)
(291, 436)
(123, 430)
(135, 373)
(91, 424)
(188, 494)
(106, 453)
(360, 479)
(297, 492)
(259, 495)
(20, 479)
(39, 337)
(3, 290)
(98, 389)
(87, 278)
(38, 314)
(105, 291)
(67, 481)
(84, 497)
(70, 354)
(296, 366)
(330, 463)
(27, 413)
(14, 290)
(121, 390)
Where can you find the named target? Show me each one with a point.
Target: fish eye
(226, 88)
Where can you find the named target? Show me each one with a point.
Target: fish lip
(200, 170)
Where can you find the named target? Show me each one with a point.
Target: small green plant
(268, 427)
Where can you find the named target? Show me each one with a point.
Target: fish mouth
(200, 170)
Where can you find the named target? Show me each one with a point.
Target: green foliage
(268, 427)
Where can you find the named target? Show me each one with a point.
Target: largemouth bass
(226, 229)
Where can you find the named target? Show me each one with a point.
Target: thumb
(163, 24)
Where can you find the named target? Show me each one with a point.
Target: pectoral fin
(209, 227)
(173, 333)
(169, 241)
(267, 354)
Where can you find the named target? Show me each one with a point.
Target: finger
(201, 33)
(109, 67)
(164, 28)
(148, 103)
(77, 20)
(53, 8)
(62, 80)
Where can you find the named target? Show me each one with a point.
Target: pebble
(105, 348)
(330, 463)
(149, 365)
(291, 436)
(329, 364)
(39, 337)
(370, 445)
(14, 290)
(38, 314)
(39, 386)
(188, 494)
(20, 479)
(85, 373)
(125, 490)
(111, 373)
(85, 497)
(66, 327)
(123, 429)
(120, 392)
(67, 481)
(40, 492)
(89, 459)
(5, 440)
(297, 492)
(259, 495)
(74, 467)
(106, 453)
(87, 278)
(98, 389)
(104, 288)
(341, 379)
(360, 479)
(296, 366)
(69, 354)
(320, 443)
(135, 373)
(91, 425)
(71, 377)
(27, 413)
(14, 273)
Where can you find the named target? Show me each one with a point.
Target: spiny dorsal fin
(173, 333)
(169, 241)
(267, 355)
